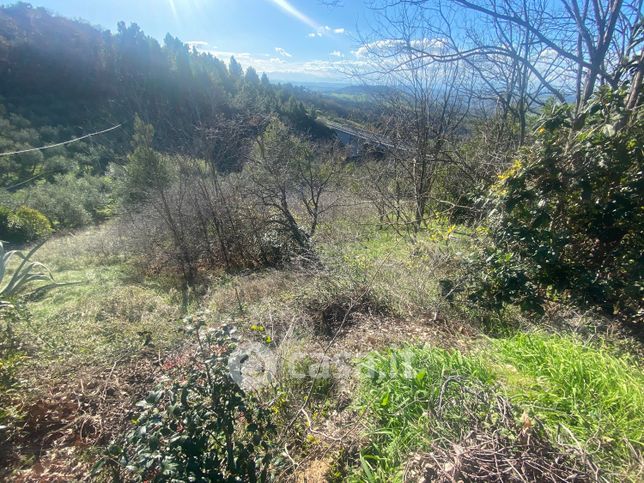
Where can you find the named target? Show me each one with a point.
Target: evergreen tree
(251, 77)
(146, 171)
(235, 69)
(265, 82)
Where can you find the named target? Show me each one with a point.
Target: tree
(146, 173)
(264, 81)
(235, 69)
(568, 221)
(288, 176)
(549, 46)
(425, 106)
(150, 183)
(251, 78)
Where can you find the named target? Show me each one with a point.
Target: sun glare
(291, 10)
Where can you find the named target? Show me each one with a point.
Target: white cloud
(336, 53)
(282, 52)
(276, 67)
(392, 47)
(325, 30)
(197, 44)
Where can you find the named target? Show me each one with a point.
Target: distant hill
(55, 71)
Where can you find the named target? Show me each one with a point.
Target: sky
(290, 40)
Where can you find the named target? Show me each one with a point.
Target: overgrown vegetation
(572, 386)
(422, 401)
(23, 224)
(402, 389)
(449, 289)
(567, 219)
(204, 427)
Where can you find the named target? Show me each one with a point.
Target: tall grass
(595, 394)
(399, 390)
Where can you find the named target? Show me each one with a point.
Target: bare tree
(562, 48)
(426, 105)
(289, 176)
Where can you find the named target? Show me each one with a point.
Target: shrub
(70, 201)
(205, 428)
(334, 302)
(23, 225)
(5, 213)
(147, 172)
(568, 218)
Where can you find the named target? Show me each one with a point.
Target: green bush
(70, 201)
(23, 225)
(204, 428)
(568, 221)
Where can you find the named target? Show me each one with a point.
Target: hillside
(200, 280)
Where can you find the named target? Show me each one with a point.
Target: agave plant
(26, 273)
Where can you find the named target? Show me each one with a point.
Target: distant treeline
(62, 78)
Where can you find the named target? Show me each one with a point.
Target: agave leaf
(15, 279)
(43, 267)
(18, 282)
(6, 258)
(46, 288)
(25, 259)
(25, 273)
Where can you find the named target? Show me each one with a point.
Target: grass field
(423, 376)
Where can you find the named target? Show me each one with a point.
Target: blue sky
(292, 40)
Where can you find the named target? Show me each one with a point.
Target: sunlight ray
(294, 12)
(173, 7)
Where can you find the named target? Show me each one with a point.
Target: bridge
(356, 138)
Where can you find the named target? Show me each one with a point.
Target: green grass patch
(597, 395)
(108, 316)
(399, 390)
(411, 406)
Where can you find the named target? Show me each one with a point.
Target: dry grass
(90, 350)
(95, 348)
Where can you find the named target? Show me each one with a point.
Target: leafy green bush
(204, 428)
(23, 224)
(147, 173)
(568, 221)
(5, 214)
(70, 201)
